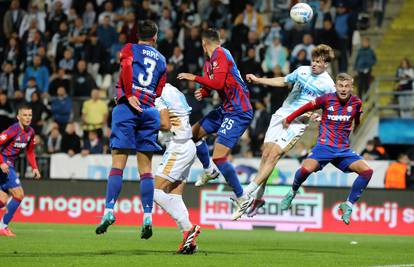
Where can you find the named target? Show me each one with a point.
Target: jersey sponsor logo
(150, 53)
(339, 117)
(331, 108)
(306, 91)
(3, 137)
(19, 145)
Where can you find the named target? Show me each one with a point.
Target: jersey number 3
(150, 67)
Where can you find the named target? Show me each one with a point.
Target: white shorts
(177, 161)
(285, 138)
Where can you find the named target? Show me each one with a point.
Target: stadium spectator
(258, 127)
(251, 18)
(342, 22)
(67, 63)
(108, 12)
(370, 153)
(7, 113)
(30, 88)
(97, 57)
(177, 61)
(77, 38)
(250, 64)
(166, 46)
(300, 60)
(92, 145)
(82, 82)
(397, 173)
(61, 107)
(193, 52)
(13, 19)
(89, 15)
(165, 23)
(144, 11)
(45, 61)
(59, 43)
(123, 11)
(33, 17)
(13, 53)
(40, 73)
(380, 148)
(39, 111)
(8, 80)
(55, 17)
(57, 80)
(276, 55)
(71, 142)
(327, 35)
(197, 106)
(32, 45)
(307, 45)
(40, 145)
(378, 6)
(54, 141)
(94, 114)
(216, 13)
(405, 77)
(275, 31)
(107, 33)
(364, 62)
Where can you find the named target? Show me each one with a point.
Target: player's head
(147, 31)
(24, 115)
(210, 39)
(344, 85)
(321, 56)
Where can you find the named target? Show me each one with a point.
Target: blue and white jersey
(306, 87)
(179, 111)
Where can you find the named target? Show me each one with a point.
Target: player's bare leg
(210, 172)
(361, 182)
(113, 189)
(308, 166)
(17, 195)
(168, 195)
(147, 191)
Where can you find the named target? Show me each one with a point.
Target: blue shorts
(229, 126)
(339, 157)
(135, 130)
(10, 180)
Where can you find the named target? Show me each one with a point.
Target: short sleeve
(292, 77)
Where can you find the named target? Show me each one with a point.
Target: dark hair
(24, 106)
(323, 51)
(344, 77)
(211, 35)
(147, 29)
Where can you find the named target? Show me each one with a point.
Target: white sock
(349, 204)
(260, 191)
(175, 207)
(250, 188)
(2, 224)
(108, 210)
(147, 215)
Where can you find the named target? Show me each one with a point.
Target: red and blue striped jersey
(222, 75)
(13, 140)
(337, 118)
(143, 73)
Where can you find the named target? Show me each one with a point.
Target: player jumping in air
(174, 169)
(229, 121)
(135, 121)
(338, 111)
(308, 82)
(12, 141)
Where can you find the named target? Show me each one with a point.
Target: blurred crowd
(62, 57)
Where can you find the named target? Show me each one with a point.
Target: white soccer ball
(301, 13)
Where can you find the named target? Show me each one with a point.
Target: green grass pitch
(77, 245)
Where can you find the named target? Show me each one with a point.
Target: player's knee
(270, 156)
(367, 173)
(18, 195)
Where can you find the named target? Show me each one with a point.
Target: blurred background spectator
(398, 172)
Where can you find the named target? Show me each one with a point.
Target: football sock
(12, 206)
(300, 176)
(359, 185)
(229, 173)
(113, 188)
(260, 191)
(147, 192)
(250, 188)
(203, 155)
(174, 205)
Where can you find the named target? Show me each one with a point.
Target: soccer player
(339, 110)
(135, 121)
(174, 169)
(229, 120)
(12, 141)
(308, 82)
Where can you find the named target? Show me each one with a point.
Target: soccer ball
(301, 13)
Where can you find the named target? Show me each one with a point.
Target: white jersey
(306, 87)
(179, 111)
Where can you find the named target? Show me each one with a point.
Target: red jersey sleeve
(219, 70)
(317, 103)
(126, 69)
(30, 153)
(161, 84)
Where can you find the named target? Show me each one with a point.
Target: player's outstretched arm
(312, 105)
(275, 82)
(31, 158)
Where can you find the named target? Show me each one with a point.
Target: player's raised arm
(312, 105)
(275, 82)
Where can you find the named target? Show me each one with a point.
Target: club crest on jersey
(349, 109)
(215, 64)
(331, 108)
